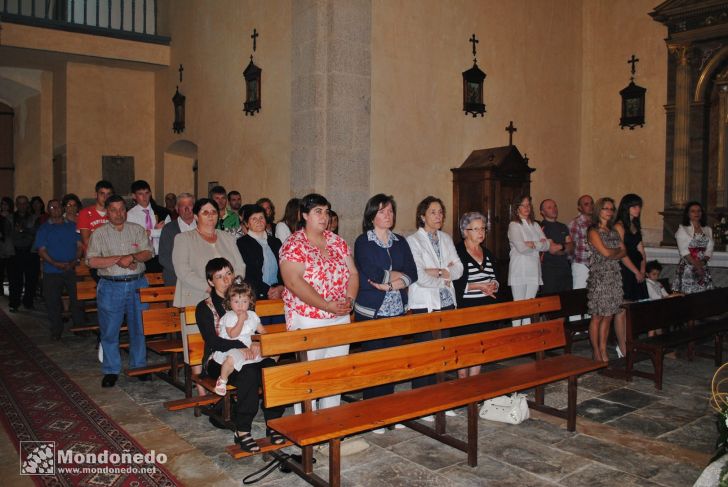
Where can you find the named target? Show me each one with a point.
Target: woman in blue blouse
(386, 268)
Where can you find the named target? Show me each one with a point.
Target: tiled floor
(628, 434)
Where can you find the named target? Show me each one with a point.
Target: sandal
(246, 442)
(221, 386)
(275, 437)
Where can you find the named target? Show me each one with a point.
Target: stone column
(330, 98)
(680, 166)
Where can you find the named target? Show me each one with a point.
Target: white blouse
(525, 264)
(685, 234)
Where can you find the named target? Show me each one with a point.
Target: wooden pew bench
(86, 296)
(573, 303)
(306, 381)
(682, 319)
(161, 333)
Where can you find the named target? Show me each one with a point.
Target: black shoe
(109, 380)
(218, 424)
(144, 377)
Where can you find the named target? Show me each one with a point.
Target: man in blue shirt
(60, 247)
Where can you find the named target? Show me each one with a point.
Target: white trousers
(521, 292)
(579, 274)
(299, 322)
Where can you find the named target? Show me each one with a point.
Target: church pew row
(86, 296)
(300, 341)
(683, 319)
(307, 381)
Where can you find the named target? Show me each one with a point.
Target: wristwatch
(391, 288)
(439, 272)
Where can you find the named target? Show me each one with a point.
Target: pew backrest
(194, 345)
(707, 304)
(314, 338)
(644, 316)
(159, 294)
(302, 381)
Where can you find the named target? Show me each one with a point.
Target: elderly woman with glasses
(478, 285)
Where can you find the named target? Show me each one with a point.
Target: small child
(238, 323)
(655, 289)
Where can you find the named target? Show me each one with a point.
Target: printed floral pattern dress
(686, 279)
(604, 285)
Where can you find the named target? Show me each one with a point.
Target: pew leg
(631, 353)
(571, 408)
(473, 434)
(334, 462)
(307, 459)
(540, 395)
(718, 355)
(440, 426)
(226, 413)
(659, 356)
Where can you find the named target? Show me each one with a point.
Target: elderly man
(59, 245)
(555, 267)
(118, 250)
(183, 223)
(578, 228)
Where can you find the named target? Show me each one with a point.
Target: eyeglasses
(477, 229)
(208, 213)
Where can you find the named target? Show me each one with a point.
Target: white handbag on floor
(511, 409)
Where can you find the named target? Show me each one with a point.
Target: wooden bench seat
(347, 419)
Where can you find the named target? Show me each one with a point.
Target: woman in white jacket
(438, 265)
(527, 240)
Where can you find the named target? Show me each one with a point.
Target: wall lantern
(252, 75)
(633, 101)
(473, 80)
(179, 112)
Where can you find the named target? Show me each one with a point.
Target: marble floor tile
(700, 435)
(615, 456)
(643, 425)
(629, 397)
(602, 411)
(543, 460)
(429, 453)
(599, 383)
(596, 475)
(491, 472)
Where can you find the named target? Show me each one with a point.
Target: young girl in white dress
(239, 323)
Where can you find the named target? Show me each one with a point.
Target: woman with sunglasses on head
(604, 285)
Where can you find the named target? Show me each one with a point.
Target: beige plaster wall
(178, 173)
(109, 111)
(33, 141)
(531, 53)
(247, 153)
(614, 161)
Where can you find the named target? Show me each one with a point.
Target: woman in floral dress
(604, 285)
(320, 277)
(695, 244)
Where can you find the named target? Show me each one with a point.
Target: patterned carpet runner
(63, 437)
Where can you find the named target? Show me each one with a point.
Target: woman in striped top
(478, 285)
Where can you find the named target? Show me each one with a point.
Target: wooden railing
(130, 19)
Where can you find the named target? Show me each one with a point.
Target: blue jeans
(114, 300)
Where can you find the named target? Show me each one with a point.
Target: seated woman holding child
(226, 323)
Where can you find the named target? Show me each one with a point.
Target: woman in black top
(219, 273)
(633, 264)
(478, 285)
(260, 254)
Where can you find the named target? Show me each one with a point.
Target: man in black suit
(183, 223)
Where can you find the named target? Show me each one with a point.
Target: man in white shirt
(143, 214)
(183, 223)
